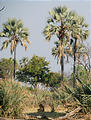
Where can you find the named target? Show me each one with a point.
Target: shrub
(82, 95)
(12, 99)
(45, 98)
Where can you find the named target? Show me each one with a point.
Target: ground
(32, 114)
(47, 115)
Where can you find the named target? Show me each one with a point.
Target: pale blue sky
(34, 14)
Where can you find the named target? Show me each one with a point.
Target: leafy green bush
(12, 99)
(35, 70)
(82, 95)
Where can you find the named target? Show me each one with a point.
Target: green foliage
(22, 74)
(54, 80)
(34, 70)
(6, 68)
(81, 73)
(81, 94)
(12, 99)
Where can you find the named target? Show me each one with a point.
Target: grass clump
(12, 99)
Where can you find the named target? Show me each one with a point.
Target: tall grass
(12, 99)
(45, 97)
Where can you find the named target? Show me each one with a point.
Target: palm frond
(23, 44)
(5, 44)
(28, 41)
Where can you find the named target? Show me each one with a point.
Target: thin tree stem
(62, 67)
(74, 67)
(14, 61)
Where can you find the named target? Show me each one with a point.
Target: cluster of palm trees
(69, 28)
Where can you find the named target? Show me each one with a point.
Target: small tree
(34, 71)
(54, 80)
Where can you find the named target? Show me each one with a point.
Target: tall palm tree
(59, 24)
(64, 24)
(79, 34)
(15, 32)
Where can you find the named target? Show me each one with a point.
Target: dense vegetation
(12, 99)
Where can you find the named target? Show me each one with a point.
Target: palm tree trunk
(14, 61)
(61, 38)
(62, 71)
(62, 67)
(74, 66)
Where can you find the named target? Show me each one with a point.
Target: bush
(41, 96)
(82, 95)
(12, 99)
(45, 98)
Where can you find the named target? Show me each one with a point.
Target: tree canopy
(34, 70)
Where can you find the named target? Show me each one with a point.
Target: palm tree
(79, 34)
(59, 24)
(15, 33)
(64, 24)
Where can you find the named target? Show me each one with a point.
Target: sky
(34, 14)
